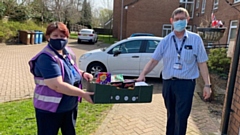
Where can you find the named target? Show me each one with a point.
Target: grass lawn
(108, 39)
(18, 118)
(73, 36)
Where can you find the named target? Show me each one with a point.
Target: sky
(102, 3)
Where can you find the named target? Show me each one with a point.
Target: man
(183, 53)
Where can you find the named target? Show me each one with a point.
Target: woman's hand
(87, 76)
(87, 96)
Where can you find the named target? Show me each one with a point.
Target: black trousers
(178, 96)
(49, 123)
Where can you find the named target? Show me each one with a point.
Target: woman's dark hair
(57, 25)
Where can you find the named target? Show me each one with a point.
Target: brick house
(152, 16)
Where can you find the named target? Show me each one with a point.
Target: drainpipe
(121, 27)
(122, 7)
(232, 79)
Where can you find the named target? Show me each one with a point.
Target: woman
(57, 81)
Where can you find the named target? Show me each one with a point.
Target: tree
(95, 18)
(2, 10)
(62, 10)
(15, 11)
(86, 14)
(40, 11)
(102, 13)
(105, 15)
(107, 4)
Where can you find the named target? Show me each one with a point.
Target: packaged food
(117, 84)
(103, 78)
(117, 78)
(128, 84)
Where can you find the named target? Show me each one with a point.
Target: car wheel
(95, 68)
(79, 41)
(96, 40)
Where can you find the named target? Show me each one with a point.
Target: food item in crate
(117, 84)
(117, 78)
(103, 78)
(128, 84)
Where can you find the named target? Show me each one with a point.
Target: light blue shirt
(190, 56)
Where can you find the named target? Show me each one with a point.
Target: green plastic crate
(112, 94)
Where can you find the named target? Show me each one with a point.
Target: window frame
(232, 27)
(197, 4)
(203, 6)
(236, 1)
(190, 27)
(186, 2)
(166, 29)
(215, 4)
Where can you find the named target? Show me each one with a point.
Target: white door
(147, 56)
(127, 62)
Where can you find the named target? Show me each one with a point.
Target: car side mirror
(116, 53)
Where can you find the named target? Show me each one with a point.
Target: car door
(150, 46)
(127, 62)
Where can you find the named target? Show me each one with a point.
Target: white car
(127, 57)
(87, 35)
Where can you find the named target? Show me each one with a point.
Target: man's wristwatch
(208, 85)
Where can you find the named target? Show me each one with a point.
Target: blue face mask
(58, 44)
(180, 25)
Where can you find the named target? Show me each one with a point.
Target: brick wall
(150, 15)
(234, 120)
(143, 16)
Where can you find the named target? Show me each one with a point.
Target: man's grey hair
(180, 10)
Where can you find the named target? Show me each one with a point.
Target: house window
(167, 28)
(215, 4)
(203, 6)
(236, 1)
(233, 30)
(189, 28)
(197, 4)
(189, 5)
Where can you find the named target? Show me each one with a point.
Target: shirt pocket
(188, 56)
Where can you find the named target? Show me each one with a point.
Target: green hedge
(9, 30)
(218, 62)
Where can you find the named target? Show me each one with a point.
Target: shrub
(218, 62)
(10, 29)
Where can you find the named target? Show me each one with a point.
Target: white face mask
(180, 25)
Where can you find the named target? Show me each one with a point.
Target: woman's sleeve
(47, 67)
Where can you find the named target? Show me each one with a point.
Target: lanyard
(70, 65)
(180, 50)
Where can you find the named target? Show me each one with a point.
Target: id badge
(177, 66)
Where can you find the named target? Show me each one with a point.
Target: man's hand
(207, 92)
(141, 78)
(87, 76)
